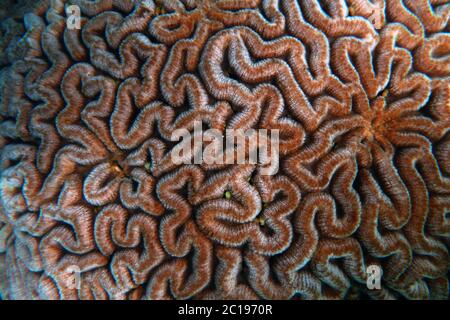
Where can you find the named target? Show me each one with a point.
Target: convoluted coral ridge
(358, 89)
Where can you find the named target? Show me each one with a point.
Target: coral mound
(359, 91)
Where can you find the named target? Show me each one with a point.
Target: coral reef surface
(94, 207)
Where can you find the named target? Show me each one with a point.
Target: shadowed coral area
(362, 104)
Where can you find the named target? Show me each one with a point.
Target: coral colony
(106, 190)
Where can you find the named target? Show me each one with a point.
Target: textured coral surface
(358, 89)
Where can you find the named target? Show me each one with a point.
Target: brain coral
(359, 91)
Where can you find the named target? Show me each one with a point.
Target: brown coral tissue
(92, 206)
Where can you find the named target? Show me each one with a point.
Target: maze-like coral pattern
(358, 89)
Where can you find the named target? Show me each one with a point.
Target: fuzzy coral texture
(86, 117)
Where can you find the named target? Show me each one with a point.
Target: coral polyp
(94, 206)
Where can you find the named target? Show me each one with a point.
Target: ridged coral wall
(87, 180)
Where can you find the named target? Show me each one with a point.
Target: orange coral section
(87, 181)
